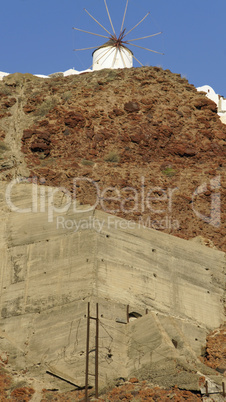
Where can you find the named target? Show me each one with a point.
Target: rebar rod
(97, 351)
(127, 313)
(87, 353)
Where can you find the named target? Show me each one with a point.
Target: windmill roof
(111, 42)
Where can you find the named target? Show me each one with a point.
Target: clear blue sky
(37, 35)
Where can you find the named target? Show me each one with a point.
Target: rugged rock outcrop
(140, 144)
(144, 128)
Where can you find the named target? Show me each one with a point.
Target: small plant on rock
(113, 156)
(46, 106)
(87, 162)
(66, 96)
(3, 147)
(169, 171)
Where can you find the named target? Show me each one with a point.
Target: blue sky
(37, 35)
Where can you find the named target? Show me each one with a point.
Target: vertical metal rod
(97, 351)
(223, 386)
(87, 354)
(206, 386)
(127, 314)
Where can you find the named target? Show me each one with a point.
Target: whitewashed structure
(111, 56)
(219, 100)
(66, 73)
(115, 53)
(72, 71)
(2, 75)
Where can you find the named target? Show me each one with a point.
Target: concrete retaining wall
(48, 273)
(147, 268)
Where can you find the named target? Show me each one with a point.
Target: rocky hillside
(18, 387)
(144, 132)
(146, 141)
(13, 389)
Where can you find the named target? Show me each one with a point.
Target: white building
(72, 71)
(2, 75)
(219, 100)
(110, 56)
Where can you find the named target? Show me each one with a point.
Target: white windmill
(115, 52)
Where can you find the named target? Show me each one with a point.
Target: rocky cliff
(144, 132)
(140, 144)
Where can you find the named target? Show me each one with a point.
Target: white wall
(222, 105)
(211, 94)
(110, 57)
(2, 75)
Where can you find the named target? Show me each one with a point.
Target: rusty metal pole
(206, 386)
(87, 354)
(97, 351)
(127, 314)
(223, 386)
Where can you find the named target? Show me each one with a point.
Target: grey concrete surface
(49, 272)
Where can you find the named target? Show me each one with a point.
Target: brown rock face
(216, 350)
(9, 103)
(140, 128)
(73, 120)
(131, 107)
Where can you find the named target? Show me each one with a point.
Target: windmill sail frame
(116, 48)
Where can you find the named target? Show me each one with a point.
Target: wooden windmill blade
(144, 37)
(124, 16)
(97, 22)
(116, 50)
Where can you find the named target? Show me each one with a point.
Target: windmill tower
(115, 53)
(113, 57)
